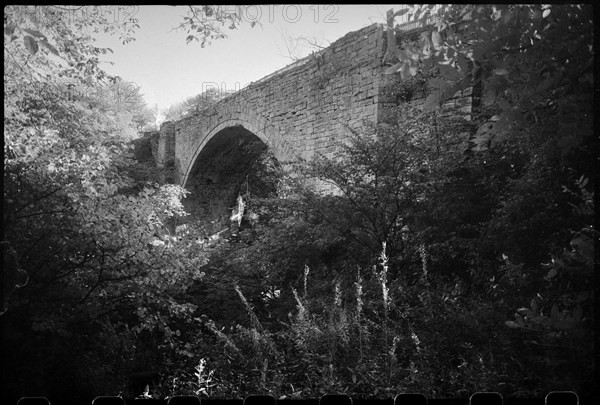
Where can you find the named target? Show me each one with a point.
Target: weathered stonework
(304, 109)
(297, 111)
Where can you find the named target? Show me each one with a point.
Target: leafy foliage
(526, 54)
(448, 256)
(194, 105)
(204, 23)
(80, 248)
(476, 216)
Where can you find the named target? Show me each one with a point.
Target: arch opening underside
(233, 162)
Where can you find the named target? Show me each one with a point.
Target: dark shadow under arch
(223, 165)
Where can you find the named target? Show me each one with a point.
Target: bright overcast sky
(168, 70)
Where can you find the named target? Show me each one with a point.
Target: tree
(195, 104)
(534, 142)
(80, 244)
(84, 242)
(126, 98)
(382, 178)
(203, 23)
(406, 274)
(523, 54)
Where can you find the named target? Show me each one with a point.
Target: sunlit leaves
(45, 28)
(79, 223)
(35, 33)
(546, 12)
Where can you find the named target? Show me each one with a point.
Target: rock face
(304, 109)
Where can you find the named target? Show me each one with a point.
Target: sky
(168, 70)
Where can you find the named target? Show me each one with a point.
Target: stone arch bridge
(301, 110)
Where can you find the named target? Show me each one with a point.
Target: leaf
(49, 47)
(413, 69)
(30, 44)
(512, 324)
(436, 39)
(449, 73)
(445, 91)
(35, 33)
(405, 71)
(394, 68)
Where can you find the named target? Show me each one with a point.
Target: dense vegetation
(452, 256)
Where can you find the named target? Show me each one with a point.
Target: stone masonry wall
(304, 109)
(298, 111)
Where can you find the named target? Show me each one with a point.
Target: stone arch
(266, 132)
(226, 152)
